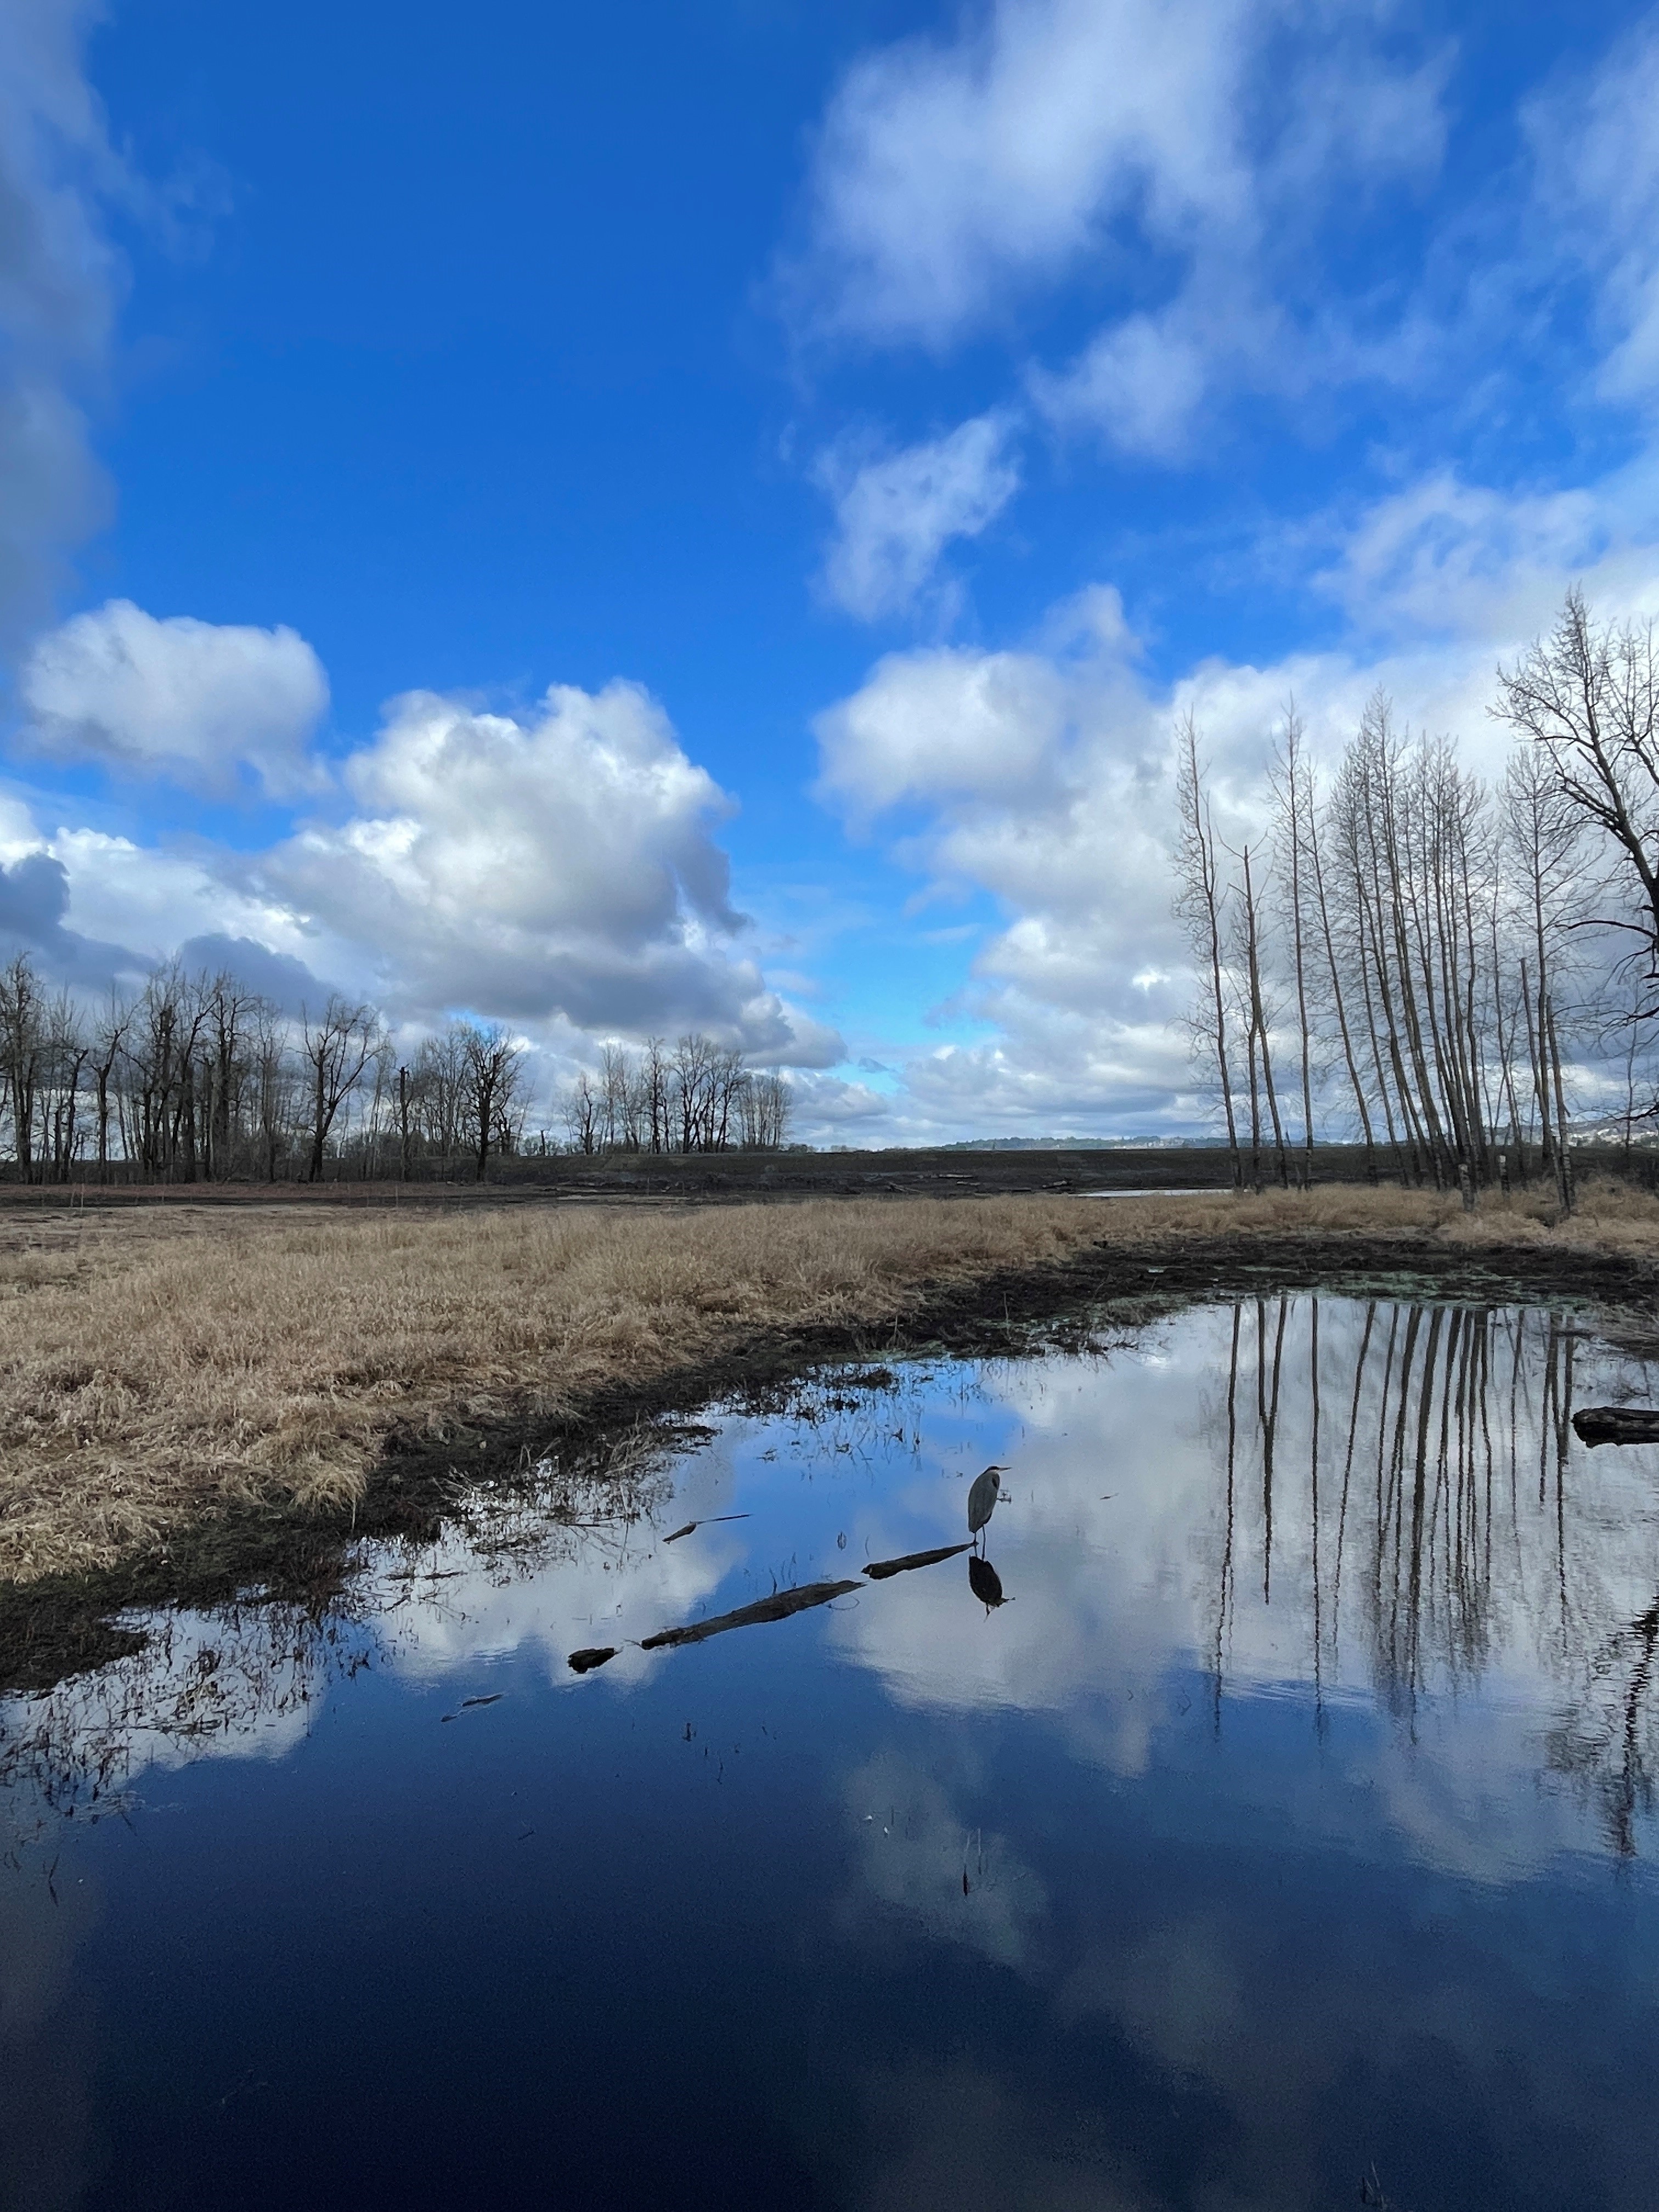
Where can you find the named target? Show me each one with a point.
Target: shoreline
(1089, 1278)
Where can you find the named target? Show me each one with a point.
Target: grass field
(161, 1366)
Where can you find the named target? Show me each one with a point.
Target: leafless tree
(1546, 836)
(1251, 912)
(273, 1087)
(494, 1069)
(336, 1047)
(1589, 695)
(1198, 902)
(109, 1041)
(583, 1113)
(1290, 777)
(765, 1104)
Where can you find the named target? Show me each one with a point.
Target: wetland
(1257, 1811)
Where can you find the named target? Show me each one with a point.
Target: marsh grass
(159, 1367)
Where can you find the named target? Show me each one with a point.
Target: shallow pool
(1285, 1834)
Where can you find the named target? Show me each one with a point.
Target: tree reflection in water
(1429, 1522)
(1425, 1516)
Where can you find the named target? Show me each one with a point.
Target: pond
(1283, 1838)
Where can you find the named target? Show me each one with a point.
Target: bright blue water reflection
(1287, 1830)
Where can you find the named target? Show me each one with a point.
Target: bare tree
(494, 1065)
(1291, 776)
(438, 1089)
(109, 1039)
(765, 1104)
(1257, 1041)
(1589, 694)
(336, 1048)
(583, 1113)
(273, 1084)
(694, 1076)
(1544, 833)
(22, 1048)
(1199, 903)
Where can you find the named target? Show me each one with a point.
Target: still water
(1285, 1839)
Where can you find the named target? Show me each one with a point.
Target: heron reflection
(985, 1582)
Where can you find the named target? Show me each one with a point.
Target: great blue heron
(982, 1497)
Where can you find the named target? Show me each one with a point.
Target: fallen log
(777, 1607)
(878, 1569)
(1616, 1425)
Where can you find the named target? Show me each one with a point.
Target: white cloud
(557, 869)
(896, 514)
(59, 283)
(1042, 778)
(1139, 384)
(151, 899)
(1598, 156)
(1187, 150)
(950, 719)
(558, 866)
(945, 171)
(215, 707)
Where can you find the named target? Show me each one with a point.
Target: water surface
(1287, 1830)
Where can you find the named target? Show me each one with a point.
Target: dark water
(1286, 1839)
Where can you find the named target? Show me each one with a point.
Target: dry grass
(157, 1367)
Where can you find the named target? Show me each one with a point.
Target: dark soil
(62, 1627)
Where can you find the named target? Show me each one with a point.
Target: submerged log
(1616, 1425)
(878, 1569)
(777, 1607)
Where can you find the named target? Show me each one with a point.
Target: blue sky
(873, 423)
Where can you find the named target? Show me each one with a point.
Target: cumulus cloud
(557, 865)
(943, 721)
(34, 899)
(1042, 777)
(894, 513)
(556, 869)
(219, 707)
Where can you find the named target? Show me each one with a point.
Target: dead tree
(1199, 903)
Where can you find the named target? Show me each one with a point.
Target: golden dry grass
(156, 1367)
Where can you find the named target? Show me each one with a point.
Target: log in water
(777, 1607)
(1616, 1425)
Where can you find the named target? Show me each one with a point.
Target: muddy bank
(62, 1625)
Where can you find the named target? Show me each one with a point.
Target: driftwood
(1616, 1425)
(777, 1607)
(878, 1569)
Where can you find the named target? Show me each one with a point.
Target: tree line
(199, 1079)
(1409, 956)
(697, 1097)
